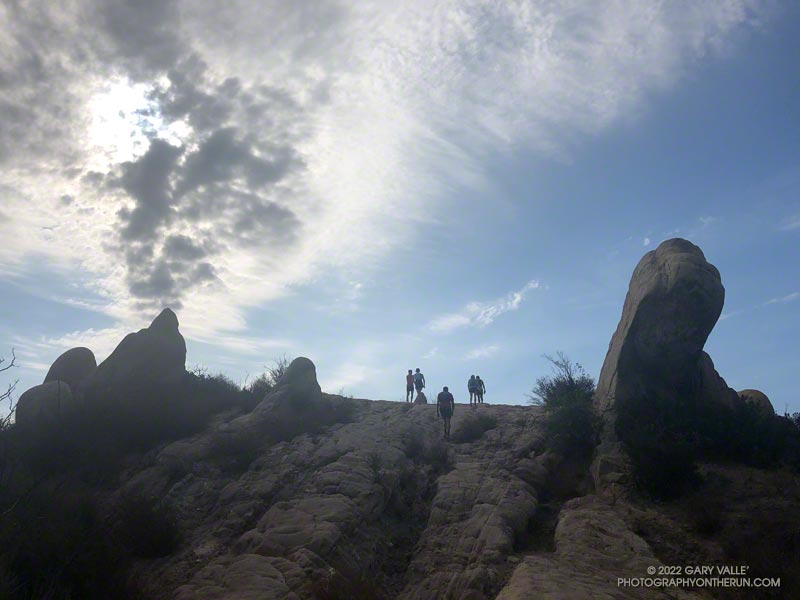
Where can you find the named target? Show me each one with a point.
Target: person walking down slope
(409, 386)
(472, 387)
(445, 407)
(419, 381)
(480, 388)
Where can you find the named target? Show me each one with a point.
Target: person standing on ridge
(472, 387)
(480, 388)
(419, 381)
(409, 386)
(445, 407)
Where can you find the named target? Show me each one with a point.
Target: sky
(461, 186)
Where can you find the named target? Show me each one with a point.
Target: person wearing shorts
(409, 386)
(445, 407)
(480, 389)
(419, 381)
(472, 388)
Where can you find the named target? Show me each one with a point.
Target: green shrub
(290, 420)
(472, 427)
(434, 453)
(666, 436)
(237, 449)
(375, 462)
(259, 387)
(347, 584)
(570, 427)
(146, 527)
(56, 543)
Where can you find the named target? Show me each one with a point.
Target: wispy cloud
(729, 315)
(784, 299)
(790, 223)
(646, 242)
(481, 314)
(431, 353)
(482, 352)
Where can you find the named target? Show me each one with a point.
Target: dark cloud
(147, 181)
(223, 157)
(224, 189)
(143, 34)
(155, 283)
(183, 248)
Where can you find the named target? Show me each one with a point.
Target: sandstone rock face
(72, 367)
(759, 399)
(381, 498)
(152, 356)
(594, 547)
(44, 403)
(712, 387)
(301, 379)
(674, 300)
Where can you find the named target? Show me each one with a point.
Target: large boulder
(72, 367)
(674, 300)
(758, 399)
(300, 379)
(43, 404)
(155, 356)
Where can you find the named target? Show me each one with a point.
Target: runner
(409, 386)
(445, 407)
(480, 388)
(419, 381)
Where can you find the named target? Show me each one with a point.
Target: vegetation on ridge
(566, 395)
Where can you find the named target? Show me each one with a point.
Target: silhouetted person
(409, 386)
(480, 388)
(445, 407)
(472, 387)
(419, 381)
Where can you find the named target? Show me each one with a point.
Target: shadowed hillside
(135, 479)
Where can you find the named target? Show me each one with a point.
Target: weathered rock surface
(44, 403)
(381, 497)
(759, 399)
(301, 380)
(152, 356)
(72, 367)
(595, 548)
(673, 302)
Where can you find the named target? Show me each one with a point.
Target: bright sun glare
(123, 119)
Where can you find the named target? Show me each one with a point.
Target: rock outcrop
(673, 302)
(380, 499)
(594, 549)
(155, 356)
(759, 399)
(72, 367)
(43, 404)
(300, 379)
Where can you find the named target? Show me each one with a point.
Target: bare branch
(11, 364)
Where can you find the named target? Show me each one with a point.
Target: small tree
(266, 382)
(278, 369)
(9, 393)
(6, 454)
(567, 399)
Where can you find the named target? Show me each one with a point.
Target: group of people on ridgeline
(445, 402)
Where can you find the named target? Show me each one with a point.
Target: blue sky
(458, 186)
